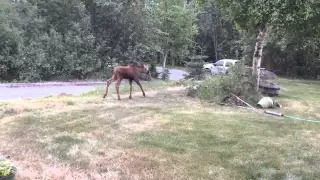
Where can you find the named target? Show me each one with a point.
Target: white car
(219, 67)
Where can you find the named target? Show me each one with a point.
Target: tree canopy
(63, 39)
(298, 16)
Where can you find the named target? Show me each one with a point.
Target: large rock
(269, 88)
(265, 74)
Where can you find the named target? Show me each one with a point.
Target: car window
(219, 63)
(228, 64)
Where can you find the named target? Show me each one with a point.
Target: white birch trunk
(256, 63)
(165, 60)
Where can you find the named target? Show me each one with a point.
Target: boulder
(265, 74)
(269, 88)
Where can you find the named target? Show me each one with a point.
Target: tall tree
(173, 27)
(258, 16)
(10, 39)
(218, 37)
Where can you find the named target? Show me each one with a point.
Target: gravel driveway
(12, 91)
(175, 74)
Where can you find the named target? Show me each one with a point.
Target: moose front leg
(139, 84)
(107, 87)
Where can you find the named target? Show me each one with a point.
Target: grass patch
(9, 112)
(70, 102)
(299, 90)
(300, 98)
(162, 136)
(124, 87)
(237, 146)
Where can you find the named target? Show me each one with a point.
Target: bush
(165, 74)
(193, 88)
(239, 82)
(6, 168)
(196, 71)
(145, 77)
(153, 71)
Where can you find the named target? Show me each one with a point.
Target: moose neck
(139, 68)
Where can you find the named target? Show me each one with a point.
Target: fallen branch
(243, 101)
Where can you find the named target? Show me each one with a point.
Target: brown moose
(131, 73)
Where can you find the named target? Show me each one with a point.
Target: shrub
(6, 168)
(165, 74)
(193, 88)
(196, 71)
(153, 71)
(144, 77)
(239, 82)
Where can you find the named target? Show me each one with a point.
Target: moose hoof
(130, 97)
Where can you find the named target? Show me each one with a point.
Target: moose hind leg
(130, 82)
(107, 87)
(117, 88)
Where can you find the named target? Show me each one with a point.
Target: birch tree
(172, 27)
(258, 16)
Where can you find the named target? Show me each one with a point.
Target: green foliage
(45, 40)
(165, 74)
(9, 38)
(196, 70)
(43, 47)
(218, 37)
(293, 47)
(65, 39)
(278, 14)
(82, 38)
(200, 3)
(153, 71)
(238, 82)
(294, 54)
(5, 168)
(173, 27)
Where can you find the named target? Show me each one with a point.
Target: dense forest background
(64, 39)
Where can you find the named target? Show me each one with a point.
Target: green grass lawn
(163, 136)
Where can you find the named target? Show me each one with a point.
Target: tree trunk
(215, 41)
(165, 60)
(173, 61)
(158, 56)
(215, 35)
(256, 63)
(94, 21)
